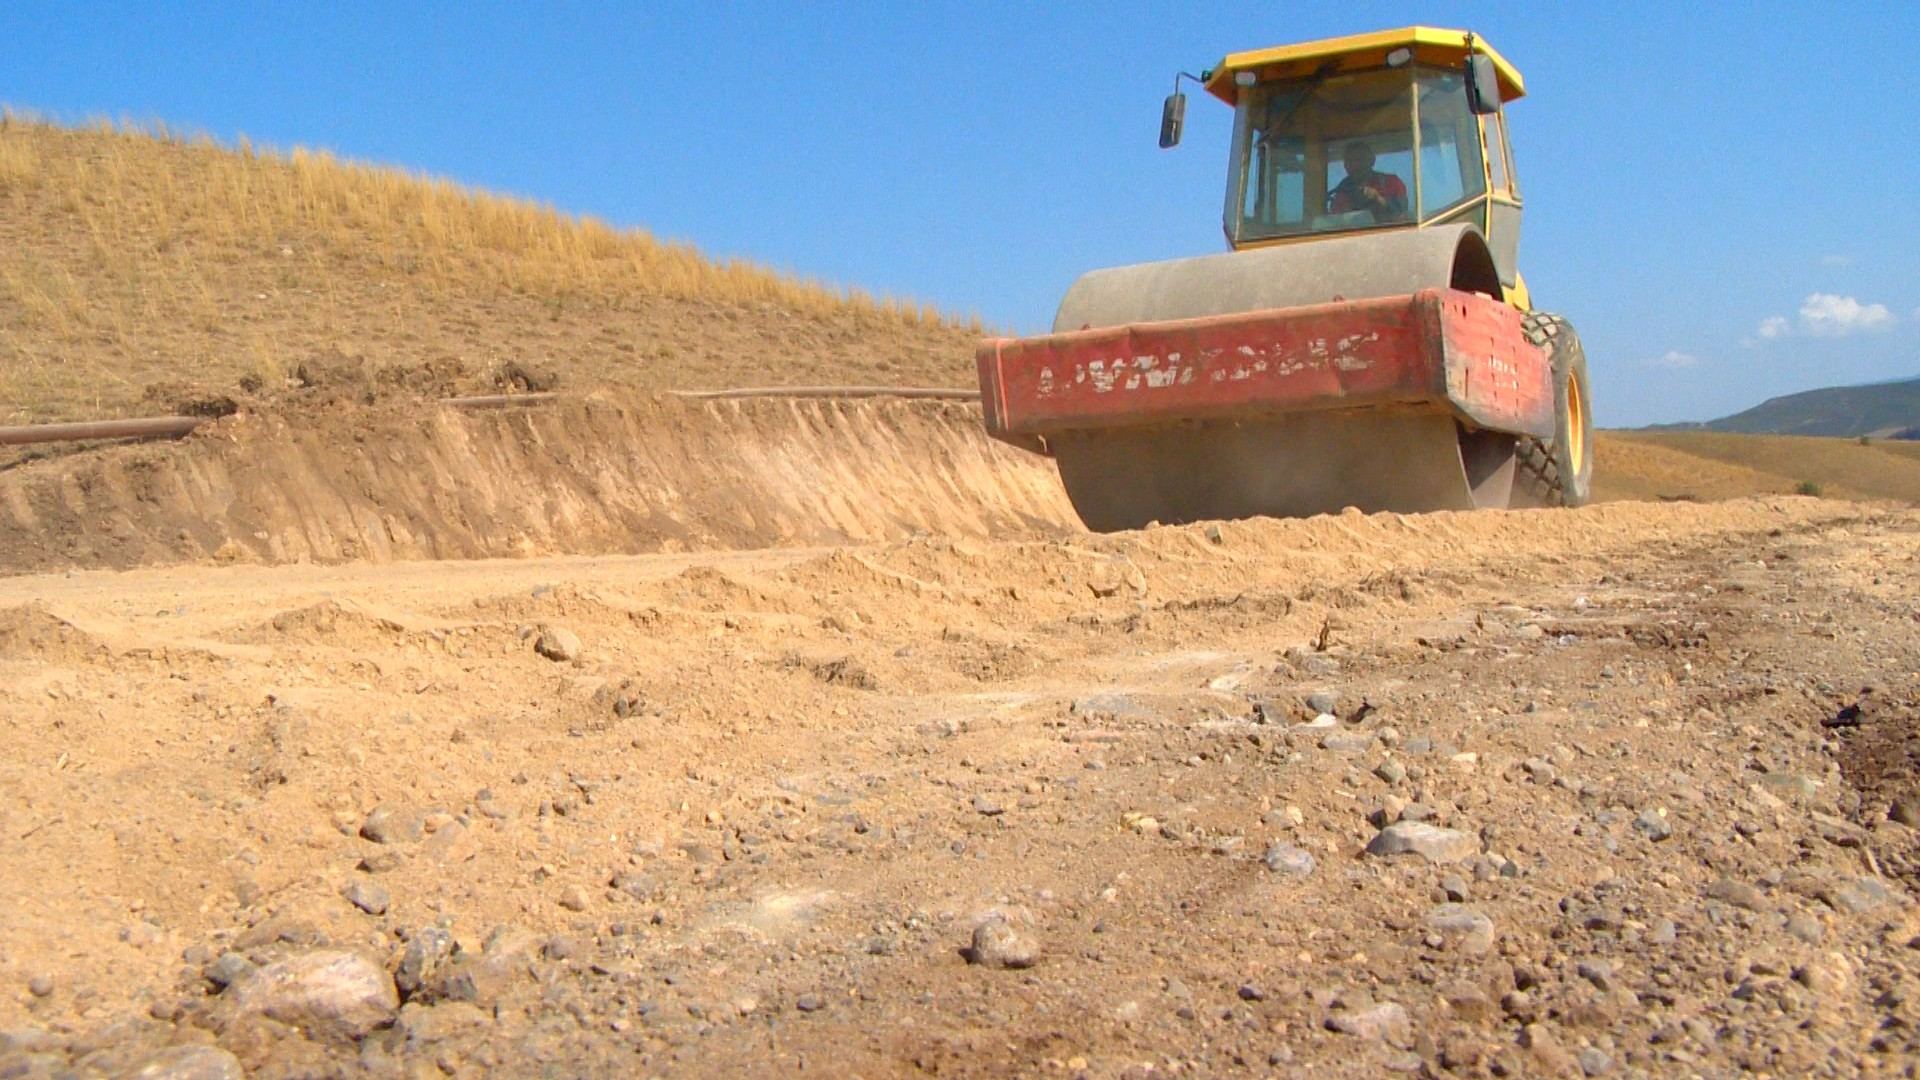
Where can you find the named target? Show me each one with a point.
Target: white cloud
(1673, 358)
(1836, 260)
(1830, 315)
(1827, 315)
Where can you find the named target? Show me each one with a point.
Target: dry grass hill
(139, 267)
(1713, 465)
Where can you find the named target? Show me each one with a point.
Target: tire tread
(1536, 468)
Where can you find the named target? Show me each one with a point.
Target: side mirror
(1483, 85)
(1173, 118)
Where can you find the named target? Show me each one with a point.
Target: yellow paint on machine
(1354, 51)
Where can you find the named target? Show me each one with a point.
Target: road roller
(1367, 342)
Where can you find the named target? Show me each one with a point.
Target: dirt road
(1097, 806)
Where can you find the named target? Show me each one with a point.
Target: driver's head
(1358, 158)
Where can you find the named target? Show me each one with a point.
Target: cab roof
(1429, 44)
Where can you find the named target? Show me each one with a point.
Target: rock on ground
(331, 993)
(189, 1063)
(558, 644)
(996, 944)
(1430, 842)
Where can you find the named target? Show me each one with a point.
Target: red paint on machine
(1438, 348)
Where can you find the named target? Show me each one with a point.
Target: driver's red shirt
(1345, 198)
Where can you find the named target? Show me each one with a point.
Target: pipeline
(150, 427)
(917, 392)
(175, 427)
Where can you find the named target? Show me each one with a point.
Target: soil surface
(1598, 792)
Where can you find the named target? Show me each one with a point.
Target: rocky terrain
(1621, 791)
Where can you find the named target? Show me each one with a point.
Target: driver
(1364, 189)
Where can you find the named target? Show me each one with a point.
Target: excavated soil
(1060, 805)
(390, 478)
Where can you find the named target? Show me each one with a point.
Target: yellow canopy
(1429, 45)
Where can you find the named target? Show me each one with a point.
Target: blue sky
(1724, 198)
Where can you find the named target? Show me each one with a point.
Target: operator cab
(1424, 105)
(1296, 140)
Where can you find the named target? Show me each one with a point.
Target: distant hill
(1884, 410)
(1710, 465)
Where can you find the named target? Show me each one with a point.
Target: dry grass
(133, 256)
(1709, 465)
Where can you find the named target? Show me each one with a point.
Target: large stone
(996, 944)
(392, 825)
(1347, 742)
(557, 643)
(1461, 929)
(1652, 825)
(1430, 842)
(1287, 860)
(428, 951)
(1738, 893)
(327, 994)
(1790, 785)
(189, 1063)
(505, 958)
(369, 896)
(1856, 896)
(426, 1025)
(1387, 1022)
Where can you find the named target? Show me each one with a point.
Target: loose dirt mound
(31, 632)
(585, 476)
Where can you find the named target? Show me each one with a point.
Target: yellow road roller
(1367, 342)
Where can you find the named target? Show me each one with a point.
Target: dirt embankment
(589, 476)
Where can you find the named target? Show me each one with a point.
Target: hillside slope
(1712, 465)
(1877, 409)
(139, 269)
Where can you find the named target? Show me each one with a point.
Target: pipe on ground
(174, 427)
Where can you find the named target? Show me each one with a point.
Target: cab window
(1292, 145)
(1450, 168)
(1497, 152)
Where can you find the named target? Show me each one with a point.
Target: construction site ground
(1038, 805)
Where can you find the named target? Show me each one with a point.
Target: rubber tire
(1544, 474)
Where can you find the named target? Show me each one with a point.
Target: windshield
(1336, 153)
